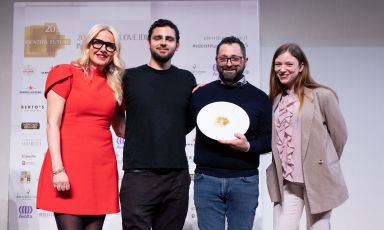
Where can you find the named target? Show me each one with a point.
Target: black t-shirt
(157, 103)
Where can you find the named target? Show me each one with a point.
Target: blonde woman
(78, 178)
(308, 137)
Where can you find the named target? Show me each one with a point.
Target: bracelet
(55, 172)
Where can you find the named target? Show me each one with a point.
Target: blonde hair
(304, 79)
(114, 70)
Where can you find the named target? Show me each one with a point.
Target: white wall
(322, 23)
(344, 41)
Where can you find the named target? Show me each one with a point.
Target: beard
(162, 58)
(232, 77)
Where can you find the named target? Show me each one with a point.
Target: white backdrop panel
(202, 24)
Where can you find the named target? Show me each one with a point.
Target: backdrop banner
(50, 33)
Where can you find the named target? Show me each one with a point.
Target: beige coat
(323, 136)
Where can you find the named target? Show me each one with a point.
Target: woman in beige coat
(308, 137)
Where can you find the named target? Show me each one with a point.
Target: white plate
(221, 120)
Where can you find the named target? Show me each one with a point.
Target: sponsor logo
(27, 163)
(44, 40)
(30, 90)
(45, 214)
(197, 71)
(120, 142)
(46, 72)
(133, 37)
(28, 156)
(219, 37)
(122, 37)
(25, 211)
(193, 212)
(28, 70)
(26, 196)
(32, 108)
(30, 125)
(191, 141)
(209, 39)
(31, 142)
(25, 176)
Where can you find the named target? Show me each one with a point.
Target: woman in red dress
(78, 179)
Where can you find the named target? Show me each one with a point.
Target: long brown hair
(304, 78)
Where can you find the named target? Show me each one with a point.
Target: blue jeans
(217, 198)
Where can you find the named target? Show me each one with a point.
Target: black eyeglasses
(97, 44)
(235, 60)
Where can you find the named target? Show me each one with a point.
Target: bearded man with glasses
(226, 183)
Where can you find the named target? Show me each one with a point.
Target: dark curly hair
(164, 23)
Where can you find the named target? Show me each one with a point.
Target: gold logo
(30, 125)
(43, 40)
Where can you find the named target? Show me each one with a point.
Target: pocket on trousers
(251, 179)
(198, 177)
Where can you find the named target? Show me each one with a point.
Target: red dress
(86, 146)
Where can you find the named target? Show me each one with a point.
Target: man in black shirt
(155, 185)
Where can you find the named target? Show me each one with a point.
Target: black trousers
(154, 199)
